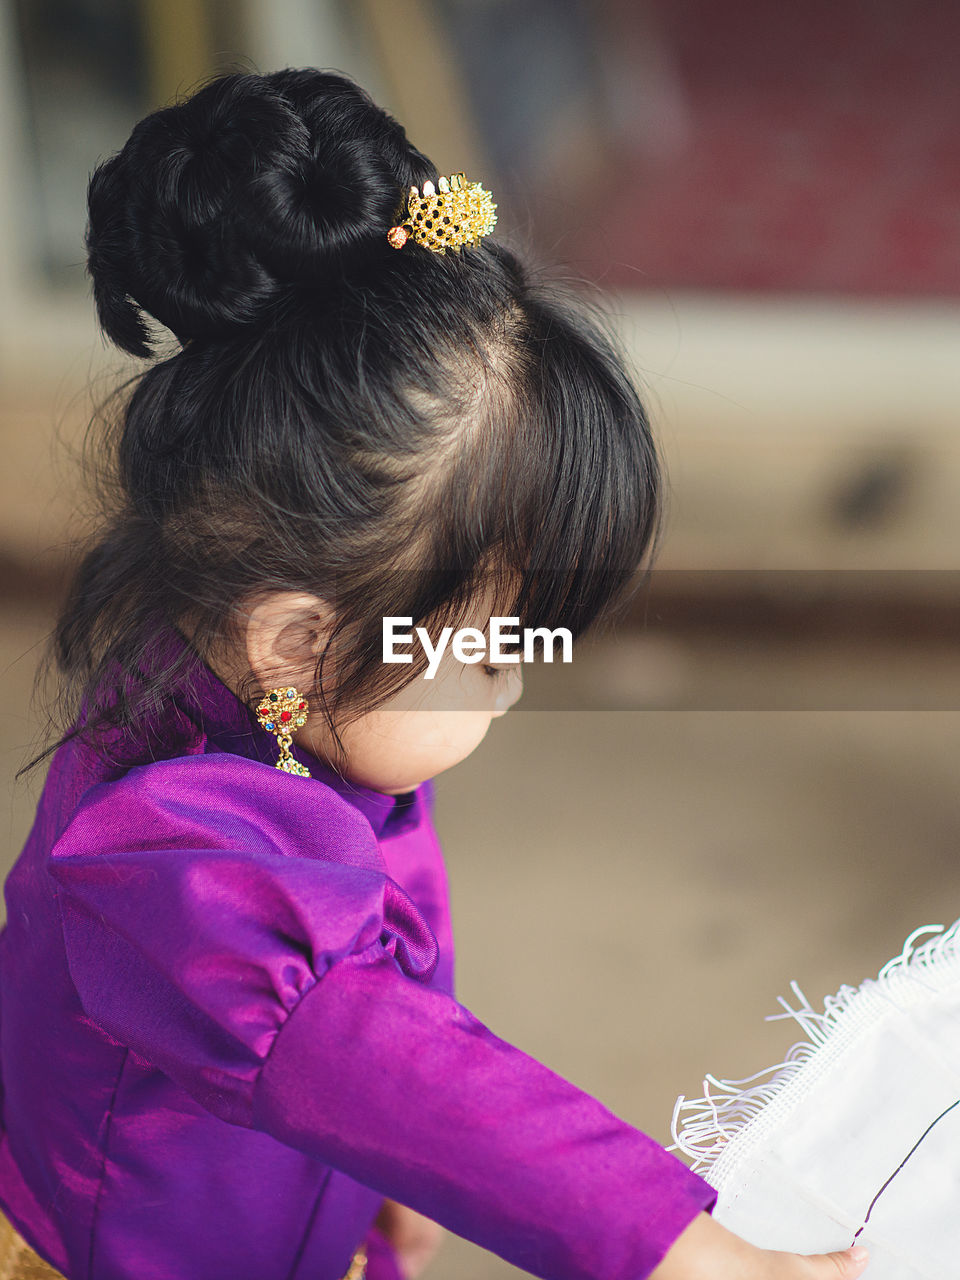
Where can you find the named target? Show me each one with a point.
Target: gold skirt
(19, 1262)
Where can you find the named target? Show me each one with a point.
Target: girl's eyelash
(493, 672)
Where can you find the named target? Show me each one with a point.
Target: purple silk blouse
(228, 1030)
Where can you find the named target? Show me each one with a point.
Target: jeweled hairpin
(453, 213)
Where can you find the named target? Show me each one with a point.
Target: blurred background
(753, 776)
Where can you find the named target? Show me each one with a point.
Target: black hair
(390, 429)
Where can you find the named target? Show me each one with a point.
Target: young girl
(230, 1045)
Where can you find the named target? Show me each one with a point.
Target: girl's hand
(707, 1251)
(415, 1239)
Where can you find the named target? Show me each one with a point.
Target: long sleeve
(236, 928)
(434, 1110)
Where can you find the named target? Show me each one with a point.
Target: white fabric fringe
(858, 1111)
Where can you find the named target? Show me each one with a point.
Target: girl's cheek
(420, 733)
(397, 750)
(456, 686)
(446, 690)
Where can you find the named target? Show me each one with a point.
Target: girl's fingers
(845, 1265)
(708, 1251)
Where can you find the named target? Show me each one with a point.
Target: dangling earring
(281, 711)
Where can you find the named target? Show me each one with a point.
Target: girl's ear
(285, 632)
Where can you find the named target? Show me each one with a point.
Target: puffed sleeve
(290, 992)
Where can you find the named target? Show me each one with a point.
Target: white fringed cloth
(856, 1135)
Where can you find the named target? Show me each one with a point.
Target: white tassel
(702, 1128)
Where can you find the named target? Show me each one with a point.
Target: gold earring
(281, 711)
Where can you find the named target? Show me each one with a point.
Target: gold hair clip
(457, 213)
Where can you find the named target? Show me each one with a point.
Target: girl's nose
(509, 694)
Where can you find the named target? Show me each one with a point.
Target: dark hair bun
(220, 205)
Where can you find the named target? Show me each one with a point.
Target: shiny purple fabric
(228, 1030)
